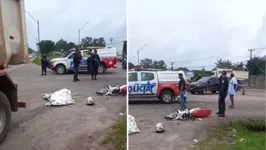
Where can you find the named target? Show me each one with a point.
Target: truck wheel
(101, 69)
(5, 116)
(60, 69)
(192, 92)
(213, 92)
(167, 97)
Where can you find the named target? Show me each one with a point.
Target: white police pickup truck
(154, 84)
(65, 64)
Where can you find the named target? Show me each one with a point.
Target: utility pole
(139, 51)
(111, 40)
(79, 32)
(251, 50)
(172, 65)
(38, 27)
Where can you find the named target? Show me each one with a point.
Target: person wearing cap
(76, 61)
(95, 65)
(44, 63)
(232, 88)
(223, 89)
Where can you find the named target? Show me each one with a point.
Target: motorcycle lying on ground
(124, 63)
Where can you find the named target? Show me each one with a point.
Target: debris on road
(195, 140)
(159, 128)
(112, 90)
(189, 114)
(121, 114)
(132, 125)
(59, 98)
(90, 101)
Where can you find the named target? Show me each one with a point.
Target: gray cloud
(185, 30)
(62, 19)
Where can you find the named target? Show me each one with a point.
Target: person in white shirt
(232, 88)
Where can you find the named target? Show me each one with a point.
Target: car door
(132, 81)
(211, 84)
(70, 63)
(83, 63)
(148, 83)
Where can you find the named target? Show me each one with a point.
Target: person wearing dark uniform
(89, 61)
(95, 65)
(223, 89)
(44, 63)
(76, 61)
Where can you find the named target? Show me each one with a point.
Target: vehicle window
(132, 77)
(147, 76)
(204, 79)
(85, 54)
(71, 56)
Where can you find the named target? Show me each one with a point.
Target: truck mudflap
(10, 89)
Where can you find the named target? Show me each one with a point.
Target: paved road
(180, 134)
(68, 127)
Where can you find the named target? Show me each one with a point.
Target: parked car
(204, 84)
(154, 84)
(65, 64)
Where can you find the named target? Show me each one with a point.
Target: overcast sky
(181, 30)
(63, 18)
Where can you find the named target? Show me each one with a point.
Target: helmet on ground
(90, 101)
(159, 128)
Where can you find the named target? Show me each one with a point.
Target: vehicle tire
(167, 97)
(203, 92)
(101, 69)
(60, 69)
(192, 92)
(213, 92)
(5, 116)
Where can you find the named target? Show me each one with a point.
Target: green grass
(37, 60)
(249, 135)
(117, 136)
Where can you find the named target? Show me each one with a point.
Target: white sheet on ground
(132, 125)
(59, 98)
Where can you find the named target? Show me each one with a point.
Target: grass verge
(37, 60)
(117, 136)
(236, 135)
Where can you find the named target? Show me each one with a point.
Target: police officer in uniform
(44, 63)
(223, 89)
(76, 61)
(95, 65)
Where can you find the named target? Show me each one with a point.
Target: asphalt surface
(179, 135)
(70, 127)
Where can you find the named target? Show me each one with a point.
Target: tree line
(256, 66)
(48, 46)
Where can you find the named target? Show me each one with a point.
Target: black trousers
(94, 70)
(221, 102)
(89, 67)
(43, 69)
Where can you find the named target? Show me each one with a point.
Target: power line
(204, 58)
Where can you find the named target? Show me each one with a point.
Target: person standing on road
(89, 61)
(232, 89)
(182, 90)
(95, 65)
(44, 63)
(76, 61)
(223, 89)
